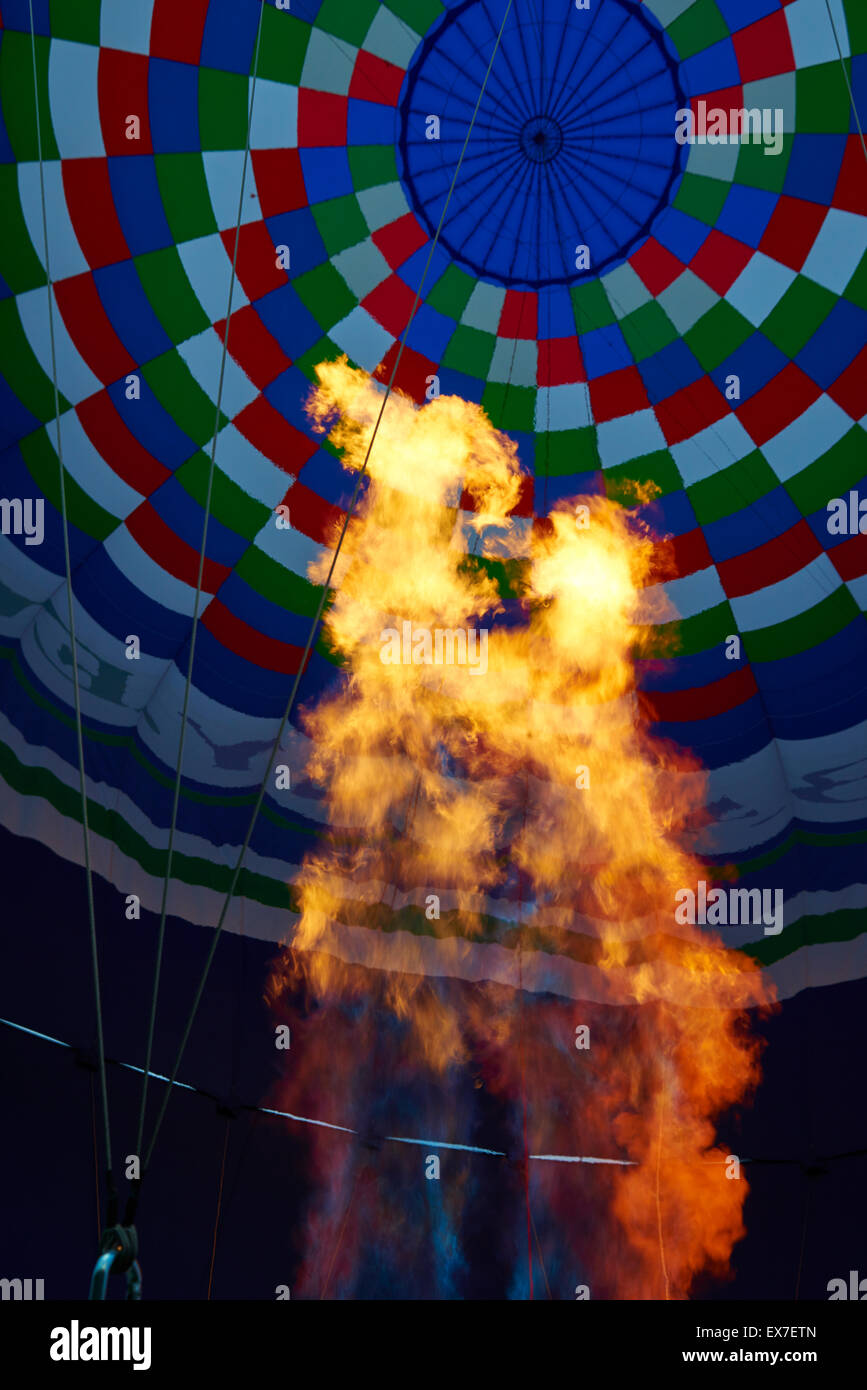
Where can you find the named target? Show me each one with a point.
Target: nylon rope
(325, 589)
(88, 871)
(199, 582)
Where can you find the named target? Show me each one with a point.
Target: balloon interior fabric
(624, 303)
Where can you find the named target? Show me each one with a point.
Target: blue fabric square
(229, 40)
(739, 13)
(671, 514)
(152, 426)
(604, 350)
(326, 173)
(834, 344)
(429, 332)
(287, 393)
(712, 70)
(16, 420)
(669, 370)
(454, 383)
(680, 234)
(746, 213)
(325, 475)
(173, 106)
(16, 15)
(756, 361)
(814, 166)
(548, 491)
(413, 269)
(185, 515)
(556, 314)
(138, 203)
(129, 311)
(288, 320)
(751, 526)
(298, 231)
(372, 123)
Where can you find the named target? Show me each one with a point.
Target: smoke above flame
(532, 792)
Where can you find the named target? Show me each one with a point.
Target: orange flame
(446, 778)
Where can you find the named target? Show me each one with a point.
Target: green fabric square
(856, 23)
(21, 267)
(717, 334)
(371, 165)
(325, 293)
(419, 14)
(277, 583)
(856, 290)
(230, 504)
(177, 390)
(658, 467)
(21, 368)
(802, 309)
(687, 636)
(733, 488)
(185, 197)
(832, 475)
(451, 292)
(340, 223)
(804, 630)
(701, 197)
(591, 306)
(510, 407)
(322, 351)
(282, 47)
(822, 98)
(78, 22)
(223, 109)
(16, 94)
(470, 350)
(170, 293)
(647, 330)
(697, 28)
(563, 452)
(756, 170)
(44, 468)
(350, 22)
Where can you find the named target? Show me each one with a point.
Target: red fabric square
(401, 239)
(257, 267)
(412, 374)
(271, 433)
(176, 30)
(691, 410)
(91, 209)
(851, 190)
(850, 388)
(321, 118)
(391, 303)
(373, 79)
(793, 228)
(724, 99)
(764, 48)
(122, 85)
(279, 181)
(520, 315)
(770, 410)
(559, 362)
(255, 350)
(618, 393)
(109, 434)
(720, 260)
(656, 266)
(769, 563)
(849, 558)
